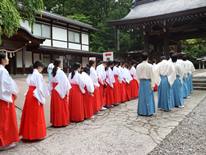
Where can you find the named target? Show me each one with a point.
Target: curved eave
(138, 21)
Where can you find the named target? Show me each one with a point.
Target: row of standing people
(73, 99)
(173, 78)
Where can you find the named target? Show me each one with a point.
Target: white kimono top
(179, 70)
(121, 72)
(94, 76)
(133, 72)
(41, 91)
(110, 77)
(8, 86)
(191, 67)
(126, 75)
(63, 84)
(101, 73)
(77, 79)
(166, 68)
(88, 82)
(144, 71)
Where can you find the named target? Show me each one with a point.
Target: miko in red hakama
(8, 124)
(88, 100)
(109, 96)
(123, 92)
(33, 124)
(102, 95)
(97, 100)
(76, 104)
(128, 91)
(134, 88)
(59, 114)
(117, 90)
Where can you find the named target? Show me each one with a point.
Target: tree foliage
(12, 11)
(97, 13)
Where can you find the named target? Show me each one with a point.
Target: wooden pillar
(23, 60)
(117, 32)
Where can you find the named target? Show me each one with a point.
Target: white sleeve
(64, 85)
(81, 84)
(41, 90)
(8, 84)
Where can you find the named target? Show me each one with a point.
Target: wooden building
(164, 23)
(52, 36)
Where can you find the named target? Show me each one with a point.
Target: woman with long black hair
(59, 115)
(76, 94)
(8, 122)
(94, 76)
(33, 124)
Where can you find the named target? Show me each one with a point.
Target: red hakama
(88, 101)
(128, 91)
(76, 104)
(97, 100)
(8, 124)
(117, 92)
(109, 96)
(59, 115)
(134, 89)
(123, 92)
(155, 88)
(33, 124)
(102, 96)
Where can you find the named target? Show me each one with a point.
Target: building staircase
(199, 83)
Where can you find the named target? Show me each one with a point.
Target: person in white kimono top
(134, 82)
(166, 77)
(145, 75)
(76, 104)
(178, 83)
(94, 76)
(9, 134)
(59, 115)
(110, 80)
(33, 125)
(101, 73)
(122, 83)
(117, 87)
(127, 78)
(191, 69)
(88, 97)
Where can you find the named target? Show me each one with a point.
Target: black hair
(91, 63)
(36, 65)
(174, 58)
(2, 56)
(57, 63)
(86, 70)
(144, 56)
(74, 68)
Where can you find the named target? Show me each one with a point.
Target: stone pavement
(187, 138)
(115, 131)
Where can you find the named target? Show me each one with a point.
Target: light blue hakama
(146, 103)
(165, 95)
(185, 88)
(178, 92)
(190, 83)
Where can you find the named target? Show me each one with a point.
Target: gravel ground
(189, 137)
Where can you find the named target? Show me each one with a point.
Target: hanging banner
(108, 56)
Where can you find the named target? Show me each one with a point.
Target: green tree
(13, 11)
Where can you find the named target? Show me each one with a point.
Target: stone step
(199, 84)
(199, 81)
(200, 77)
(200, 88)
